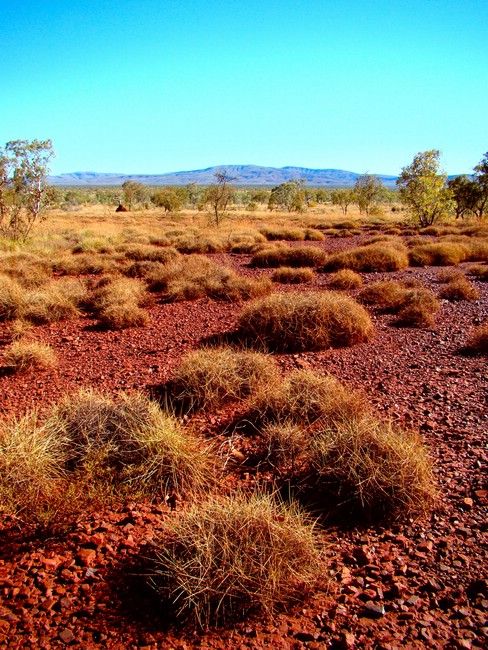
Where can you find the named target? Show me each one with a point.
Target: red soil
(410, 584)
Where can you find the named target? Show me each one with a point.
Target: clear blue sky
(146, 86)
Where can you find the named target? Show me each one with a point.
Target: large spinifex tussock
(373, 467)
(224, 558)
(378, 257)
(129, 442)
(211, 376)
(275, 256)
(118, 302)
(305, 321)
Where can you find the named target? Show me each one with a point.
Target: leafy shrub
(289, 275)
(118, 303)
(211, 376)
(230, 556)
(272, 257)
(310, 321)
(345, 279)
(29, 355)
(374, 258)
(459, 289)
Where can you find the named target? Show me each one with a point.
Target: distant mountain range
(241, 175)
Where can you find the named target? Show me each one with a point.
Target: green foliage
(169, 198)
(423, 189)
(23, 190)
(368, 192)
(288, 196)
(134, 193)
(218, 195)
(342, 197)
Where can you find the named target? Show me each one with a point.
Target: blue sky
(146, 86)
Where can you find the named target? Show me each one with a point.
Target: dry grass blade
(227, 557)
(29, 355)
(118, 303)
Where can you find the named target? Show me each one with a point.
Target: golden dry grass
(23, 355)
(118, 302)
(345, 279)
(459, 289)
(289, 275)
(378, 257)
(225, 558)
(478, 340)
(300, 256)
(305, 321)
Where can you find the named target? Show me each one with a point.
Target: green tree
(24, 195)
(481, 180)
(288, 196)
(218, 195)
(343, 197)
(369, 192)
(134, 193)
(464, 193)
(423, 188)
(168, 198)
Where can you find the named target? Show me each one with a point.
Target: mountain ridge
(256, 175)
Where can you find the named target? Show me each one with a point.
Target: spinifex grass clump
(228, 557)
(197, 276)
(477, 342)
(29, 355)
(128, 445)
(372, 467)
(414, 306)
(211, 376)
(377, 257)
(459, 289)
(301, 256)
(118, 302)
(32, 459)
(439, 254)
(305, 321)
(289, 275)
(57, 300)
(12, 298)
(345, 279)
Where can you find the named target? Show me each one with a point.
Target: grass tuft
(289, 275)
(25, 355)
(374, 258)
(345, 279)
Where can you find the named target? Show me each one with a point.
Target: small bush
(118, 302)
(211, 376)
(373, 467)
(225, 558)
(29, 355)
(301, 256)
(345, 279)
(289, 275)
(385, 294)
(438, 254)
(374, 258)
(478, 340)
(459, 289)
(310, 321)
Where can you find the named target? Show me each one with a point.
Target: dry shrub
(304, 397)
(289, 275)
(386, 294)
(478, 340)
(374, 258)
(195, 277)
(480, 272)
(345, 279)
(450, 275)
(143, 253)
(12, 298)
(478, 250)
(312, 234)
(85, 265)
(118, 302)
(29, 355)
(58, 300)
(439, 254)
(283, 234)
(310, 321)
(459, 289)
(224, 558)
(418, 308)
(31, 469)
(127, 445)
(373, 467)
(272, 257)
(198, 244)
(211, 376)
(28, 269)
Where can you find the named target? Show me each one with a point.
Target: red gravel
(411, 584)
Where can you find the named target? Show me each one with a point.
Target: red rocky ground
(411, 584)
